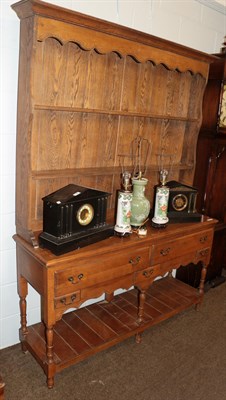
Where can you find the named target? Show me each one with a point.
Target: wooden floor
(99, 326)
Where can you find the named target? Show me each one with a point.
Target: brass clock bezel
(179, 202)
(85, 214)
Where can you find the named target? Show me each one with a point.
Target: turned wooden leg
(141, 301)
(138, 338)
(22, 291)
(201, 284)
(142, 296)
(49, 355)
(23, 322)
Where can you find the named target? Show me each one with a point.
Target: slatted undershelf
(91, 329)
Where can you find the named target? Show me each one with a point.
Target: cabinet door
(216, 183)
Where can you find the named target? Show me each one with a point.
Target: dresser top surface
(115, 243)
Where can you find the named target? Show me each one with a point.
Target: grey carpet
(183, 358)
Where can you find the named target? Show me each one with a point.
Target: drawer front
(70, 300)
(147, 275)
(181, 246)
(86, 273)
(203, 255)
(144, 278)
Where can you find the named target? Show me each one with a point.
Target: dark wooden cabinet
(210, 174)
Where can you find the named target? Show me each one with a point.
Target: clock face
(85, 214)
(222, 118)
(179, 202)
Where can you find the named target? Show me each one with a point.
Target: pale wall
(188, 22)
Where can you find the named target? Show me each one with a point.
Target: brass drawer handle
(64, 300)
(164, 252)
(148, 274)
(203, 239)
(204, 252)
(135, 261)
(72, 280)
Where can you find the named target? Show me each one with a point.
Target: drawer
(149, 274)
(203, 255)
(66, 301)
(181, 246)
(145, 277)
(91, 272)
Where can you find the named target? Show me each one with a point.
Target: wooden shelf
(113, 112)
(96, 327)
(100, 171)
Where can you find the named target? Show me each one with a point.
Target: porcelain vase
(140, 206)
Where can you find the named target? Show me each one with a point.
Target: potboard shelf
(96, 327)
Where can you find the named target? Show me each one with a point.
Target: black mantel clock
(73, 217)
(182, 203)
